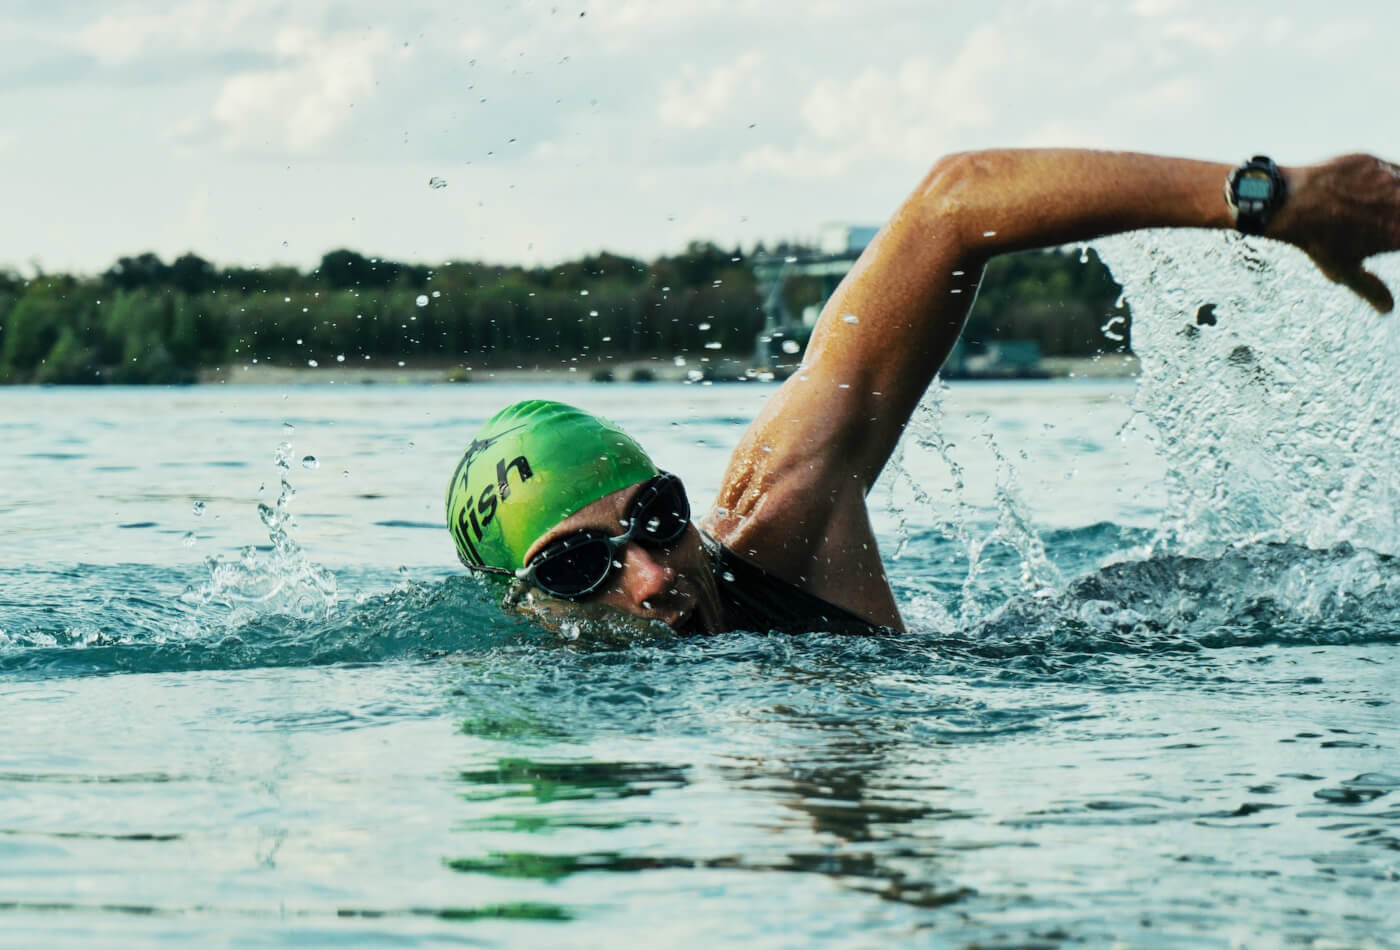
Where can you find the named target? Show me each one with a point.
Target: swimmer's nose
(647, 576)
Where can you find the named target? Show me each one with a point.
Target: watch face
(1254, 188)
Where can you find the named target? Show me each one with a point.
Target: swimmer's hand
(1340, 213)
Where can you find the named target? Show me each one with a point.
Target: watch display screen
(1255, 189)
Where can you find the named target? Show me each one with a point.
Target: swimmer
(575, 512)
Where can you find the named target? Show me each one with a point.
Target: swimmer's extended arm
(793, 496)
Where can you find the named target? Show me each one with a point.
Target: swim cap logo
(473, 520)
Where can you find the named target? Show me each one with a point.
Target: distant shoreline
(1108, 366)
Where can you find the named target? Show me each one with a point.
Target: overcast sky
(254, 131)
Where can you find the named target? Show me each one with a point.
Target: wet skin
(672, 584)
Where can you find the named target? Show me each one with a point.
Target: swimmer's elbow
(947, 198)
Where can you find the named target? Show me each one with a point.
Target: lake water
(1149, 696)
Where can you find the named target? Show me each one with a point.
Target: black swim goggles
(576, 565)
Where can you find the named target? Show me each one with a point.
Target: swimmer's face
(673, 584)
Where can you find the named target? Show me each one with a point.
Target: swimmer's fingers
(1371, 288)
(1366, 285)
(1341, 212)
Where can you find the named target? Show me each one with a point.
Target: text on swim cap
(472, 521)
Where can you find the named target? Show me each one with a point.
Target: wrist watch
(1255, 191)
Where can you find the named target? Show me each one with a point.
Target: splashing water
(958, 521)
(281, 581)
(1270, 395)
(1269, 391)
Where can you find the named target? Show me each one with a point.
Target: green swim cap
(529, 467)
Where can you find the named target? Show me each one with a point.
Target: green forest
(147, 321)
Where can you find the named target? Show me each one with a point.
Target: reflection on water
(827, 820)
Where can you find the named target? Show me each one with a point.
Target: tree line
(147, 321)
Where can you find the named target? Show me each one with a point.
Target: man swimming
(573, 509)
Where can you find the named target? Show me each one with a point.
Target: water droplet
(790, 259)
(345, 474)
(340, 358)
(198, 508)
(727, 576)
(436, 183)
(703, 326)
(791, 346)
(607, 339)
(189, 539)
(714, 346)
(312, 363)
(989, 234)
(309, 462)
(694, 376)
(679, 361)
(850, 318)
(421, 300)
(288, 427)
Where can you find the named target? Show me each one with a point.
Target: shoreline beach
(1105, 366)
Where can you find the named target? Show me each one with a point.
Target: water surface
(1148, 696)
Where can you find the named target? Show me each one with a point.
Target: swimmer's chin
(597, 623)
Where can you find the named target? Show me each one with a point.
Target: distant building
(778, 349)
(842, 239)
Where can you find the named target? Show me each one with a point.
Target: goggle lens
(578, 564)
(574, 572)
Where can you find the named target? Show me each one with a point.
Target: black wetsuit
(758, 602)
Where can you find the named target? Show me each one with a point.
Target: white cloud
(1175, 93)
(1201, 34)
(1059, 133)
(299, 105)
(474, 41)
(641, 17)
(692, 101)
(907, 114)
(802, 161)
(1335, 38)
(131, 32)
(1154, 8)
